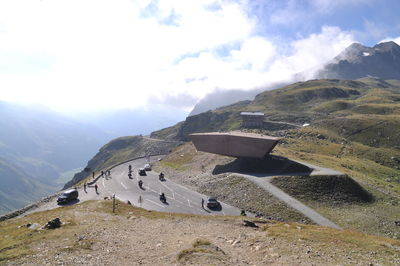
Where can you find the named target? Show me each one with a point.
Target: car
(68, 196)
(212, 203)
(147, 167)
(142, 171)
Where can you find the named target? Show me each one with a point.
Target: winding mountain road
(179, 198)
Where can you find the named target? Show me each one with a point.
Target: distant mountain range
(36, 145)
(356, 61)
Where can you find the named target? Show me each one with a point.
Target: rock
(249, 223)
(53, 224)
(235, 242)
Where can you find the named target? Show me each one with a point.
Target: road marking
(181, 202)
(124, 185)
(166, 187)
(155, 203)
(103, 184)
(180, 195)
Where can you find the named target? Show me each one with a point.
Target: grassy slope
(355, 129)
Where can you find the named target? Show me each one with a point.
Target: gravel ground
(193, 169)
(93, 237)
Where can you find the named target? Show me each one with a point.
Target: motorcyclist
(161, 176)
(162, 197)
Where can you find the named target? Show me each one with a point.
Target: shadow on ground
(271, 165)
(72, 202)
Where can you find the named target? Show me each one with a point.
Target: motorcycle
(161, 177)
(163, 199)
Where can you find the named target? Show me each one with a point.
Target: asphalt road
(179, 198)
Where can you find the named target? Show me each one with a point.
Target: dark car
(142, 171)
(212, 203)
(67, 196)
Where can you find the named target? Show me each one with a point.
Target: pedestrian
(95, 187)
(93, 175)
(102, 173)
(84, 187)
(109, 172)
(202, 203)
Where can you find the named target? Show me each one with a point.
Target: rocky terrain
(91, 234)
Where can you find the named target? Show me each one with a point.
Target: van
(147, 167)
(67, 196)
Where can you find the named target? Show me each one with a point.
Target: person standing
(84, 187)
(202, 203)
(95, 188)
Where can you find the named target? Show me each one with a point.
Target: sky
(81, 55)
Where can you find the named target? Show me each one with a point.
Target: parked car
(142, 171)
(212, 203)
(147, 167)
(67, 196)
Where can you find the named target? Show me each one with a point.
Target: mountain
(39, 144)
(220, 98)
(18, 188)
(353, 128)
(366, 111)
(357, 61)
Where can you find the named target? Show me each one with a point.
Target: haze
(90, 55)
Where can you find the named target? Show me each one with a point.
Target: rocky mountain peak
(387, 46)
(358, 61)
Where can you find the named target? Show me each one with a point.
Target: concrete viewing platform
(235, 144)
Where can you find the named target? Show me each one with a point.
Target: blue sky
(95, 54)
(369, 20)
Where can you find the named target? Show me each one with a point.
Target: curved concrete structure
(235, 144)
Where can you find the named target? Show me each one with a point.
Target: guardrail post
(114, 203)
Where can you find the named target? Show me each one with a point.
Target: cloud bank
(74, 55)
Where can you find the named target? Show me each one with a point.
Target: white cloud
(127, 53)
(311, 52)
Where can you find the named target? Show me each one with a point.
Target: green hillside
(19, 188)
(354, 128)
